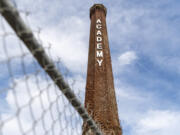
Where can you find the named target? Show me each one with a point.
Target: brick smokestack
(100, 100)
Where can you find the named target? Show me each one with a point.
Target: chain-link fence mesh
(30, 100)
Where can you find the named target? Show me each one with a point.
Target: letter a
(98, 21)
(99, 32)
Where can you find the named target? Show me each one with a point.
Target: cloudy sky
(144, 43)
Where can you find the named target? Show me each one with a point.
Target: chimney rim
(98, 6)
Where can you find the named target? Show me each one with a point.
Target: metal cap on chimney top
(98, 6)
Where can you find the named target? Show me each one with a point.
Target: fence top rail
(11, 15)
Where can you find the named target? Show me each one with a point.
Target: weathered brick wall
(100, 99)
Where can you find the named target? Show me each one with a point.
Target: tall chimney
(100, 100)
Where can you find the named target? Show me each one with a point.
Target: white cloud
(69, 42)
(140, 112)
(127, 94)
(40, 105)
(159, 122)
(127, 58)
(36, 103)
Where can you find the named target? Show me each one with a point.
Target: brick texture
(100, 100)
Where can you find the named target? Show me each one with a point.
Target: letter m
(99, 53)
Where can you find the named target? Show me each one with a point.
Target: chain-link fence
(30, 100)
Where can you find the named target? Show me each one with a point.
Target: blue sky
(144, 43)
